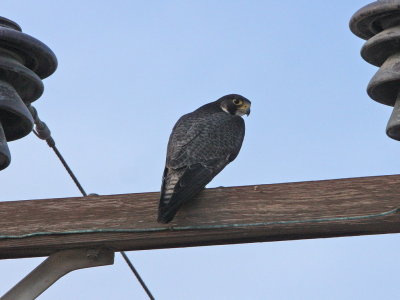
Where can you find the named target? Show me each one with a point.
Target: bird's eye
(237, 102)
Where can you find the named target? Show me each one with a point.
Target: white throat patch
(223, 107)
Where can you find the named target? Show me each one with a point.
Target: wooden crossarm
(244, 214)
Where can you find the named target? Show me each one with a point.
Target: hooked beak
(244, 109)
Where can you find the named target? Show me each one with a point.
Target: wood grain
(233, 205)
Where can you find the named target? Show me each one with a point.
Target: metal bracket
(56, 266)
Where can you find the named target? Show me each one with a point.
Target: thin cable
(43, 132)
(61, 158)
(137, 275)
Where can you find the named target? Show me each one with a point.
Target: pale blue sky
(129, 69)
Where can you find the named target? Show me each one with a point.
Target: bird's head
(235, 104)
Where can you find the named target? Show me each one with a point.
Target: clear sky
(129, 69)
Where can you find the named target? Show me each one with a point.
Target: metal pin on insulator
(42, 130)
(379, 24)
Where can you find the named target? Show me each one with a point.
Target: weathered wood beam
(234, 205)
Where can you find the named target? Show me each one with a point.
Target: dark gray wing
(200, 146)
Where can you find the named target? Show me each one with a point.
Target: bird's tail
(167, 215)
(179, 186)
(168, 207)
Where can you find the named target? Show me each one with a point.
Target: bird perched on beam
(201, 144)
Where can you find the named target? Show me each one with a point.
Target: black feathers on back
(201, 144)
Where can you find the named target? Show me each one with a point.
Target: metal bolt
(92, 254)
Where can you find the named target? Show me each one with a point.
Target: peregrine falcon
(201, 144)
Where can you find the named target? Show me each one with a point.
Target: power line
(43, 132)
(137, 275)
